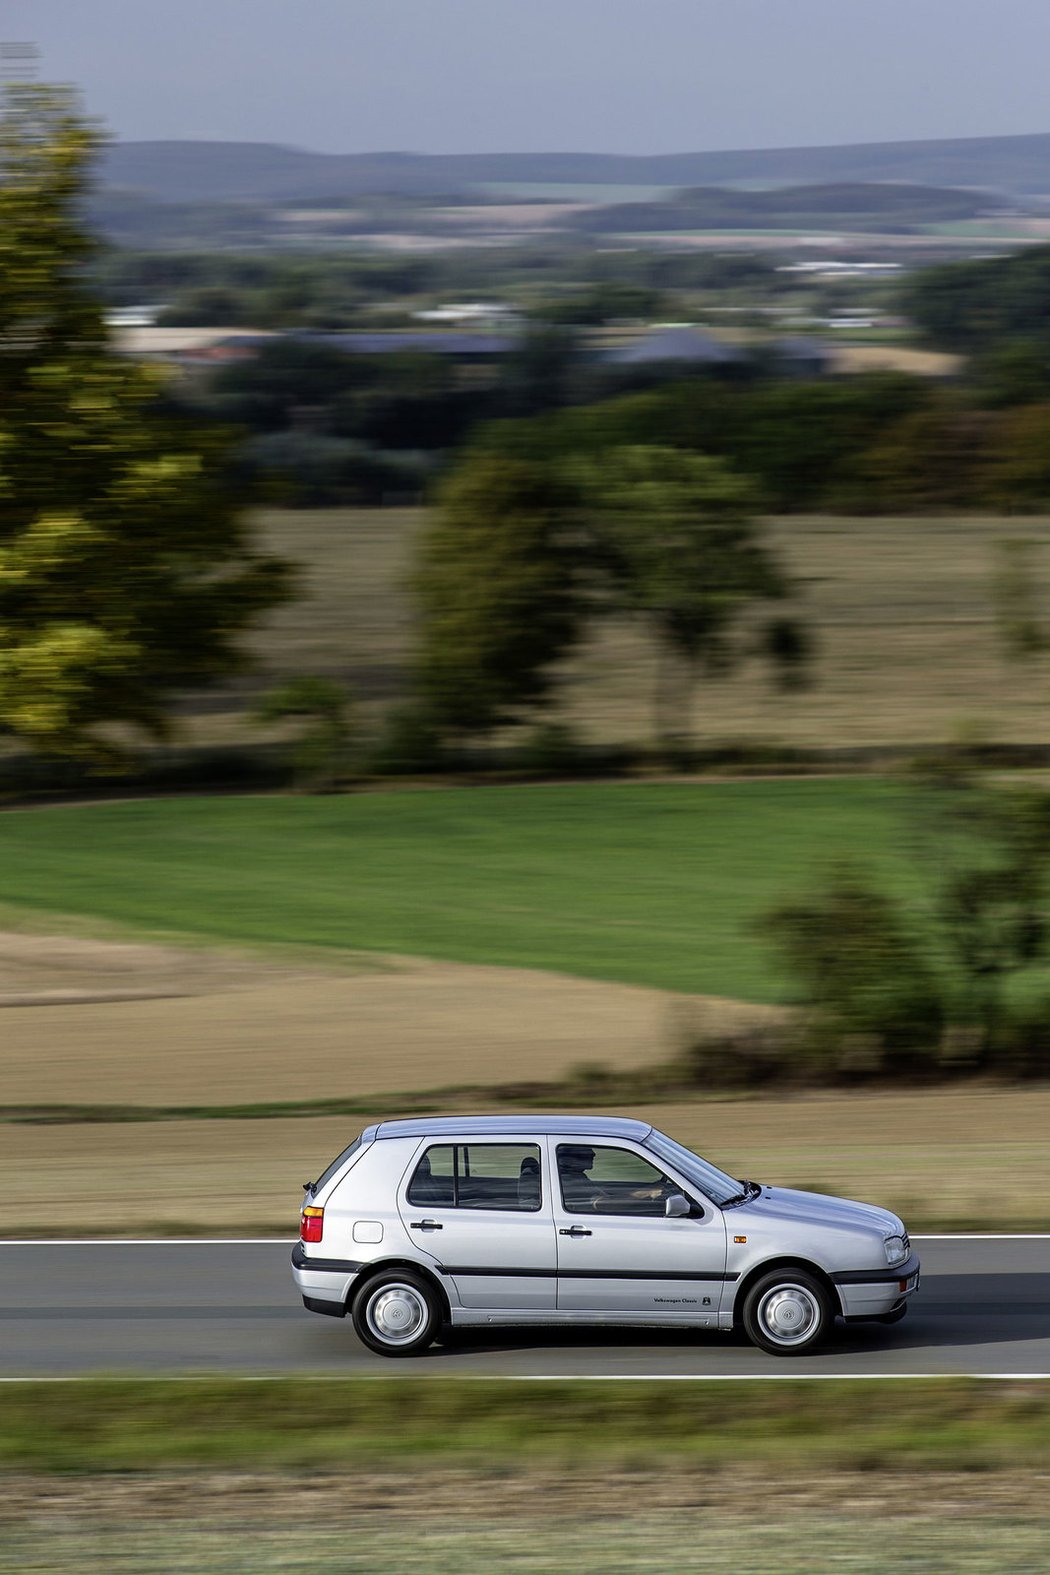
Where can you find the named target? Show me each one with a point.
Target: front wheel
(397, 1314)
(787, 1312)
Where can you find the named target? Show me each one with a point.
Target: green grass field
(479, 1424)
(655, 884)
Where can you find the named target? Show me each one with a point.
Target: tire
(787, 1312)
(893, 1317)
(397, 1313)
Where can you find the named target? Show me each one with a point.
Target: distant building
(799, 356)
(461, 347)
(471, 314)
(132, 316)
(690, 345)
(186, 346)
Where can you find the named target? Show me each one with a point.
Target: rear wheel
(787, 1312)
(397, 1314)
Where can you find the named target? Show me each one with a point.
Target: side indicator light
(311, 1224)
(902, 1285)
(740, 1240)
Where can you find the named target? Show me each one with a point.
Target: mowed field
(902, 611)
(659, 884)
(974, 1159)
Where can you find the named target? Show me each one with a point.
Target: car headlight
(896, 1249)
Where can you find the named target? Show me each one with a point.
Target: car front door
(618, 1252)
(483, 1211)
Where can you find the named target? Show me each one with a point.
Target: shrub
(873, 1003)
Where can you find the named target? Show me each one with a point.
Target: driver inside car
(581, 1191)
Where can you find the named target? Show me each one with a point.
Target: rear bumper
(871, 1293)
(324, 1283)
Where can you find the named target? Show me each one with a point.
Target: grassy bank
(627, 1544)
(490, 1427)
(657, 885)
(455, 1477)
(393, 1544)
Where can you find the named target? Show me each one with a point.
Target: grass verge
(630, 1544)
(490, 1426)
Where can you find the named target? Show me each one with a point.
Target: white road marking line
(517, 1378)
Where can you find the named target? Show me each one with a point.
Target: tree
(125, 572)
(497, 585)
(1017, 460)
(990, 899)
(870, 997)
(320, 752)
(675, 541)
(1015, 599)
(876, 981)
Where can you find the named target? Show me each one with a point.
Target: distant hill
(221, 171)
(878, 206)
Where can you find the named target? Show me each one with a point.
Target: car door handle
(426, 1225)
(575, 1230)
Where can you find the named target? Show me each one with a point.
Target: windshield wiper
(751, 1190)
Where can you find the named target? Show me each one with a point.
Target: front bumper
(324, 1283)
(869, 1293)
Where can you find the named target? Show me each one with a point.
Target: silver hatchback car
(489, 1220)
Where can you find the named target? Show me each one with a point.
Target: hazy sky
(630, 76)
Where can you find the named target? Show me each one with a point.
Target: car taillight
(311, 1223)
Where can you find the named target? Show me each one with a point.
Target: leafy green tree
(125, 572)
(1015, 598)
(1017, 460)
(929, 458)
(990, 900)
(676, 541)
(498, 590)
(960, 980)
(320, 753)
(872, 1001)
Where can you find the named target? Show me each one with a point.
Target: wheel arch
(385, 1265)
(769, 1266)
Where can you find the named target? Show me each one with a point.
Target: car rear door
(481, 1208)
(618, 1253)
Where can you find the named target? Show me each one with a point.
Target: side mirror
(677, 1207)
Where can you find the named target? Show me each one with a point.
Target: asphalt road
(231, 1307)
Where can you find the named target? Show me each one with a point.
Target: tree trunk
(673, 687)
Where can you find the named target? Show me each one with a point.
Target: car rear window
(340, 1160)
(478, 1176)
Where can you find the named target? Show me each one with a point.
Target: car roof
(511, 1126)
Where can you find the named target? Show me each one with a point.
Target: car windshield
(712, 1182)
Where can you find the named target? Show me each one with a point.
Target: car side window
(597, 1180)
(478, 1176)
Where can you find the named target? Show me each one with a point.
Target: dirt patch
(214, 1497)
(96, 1021)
